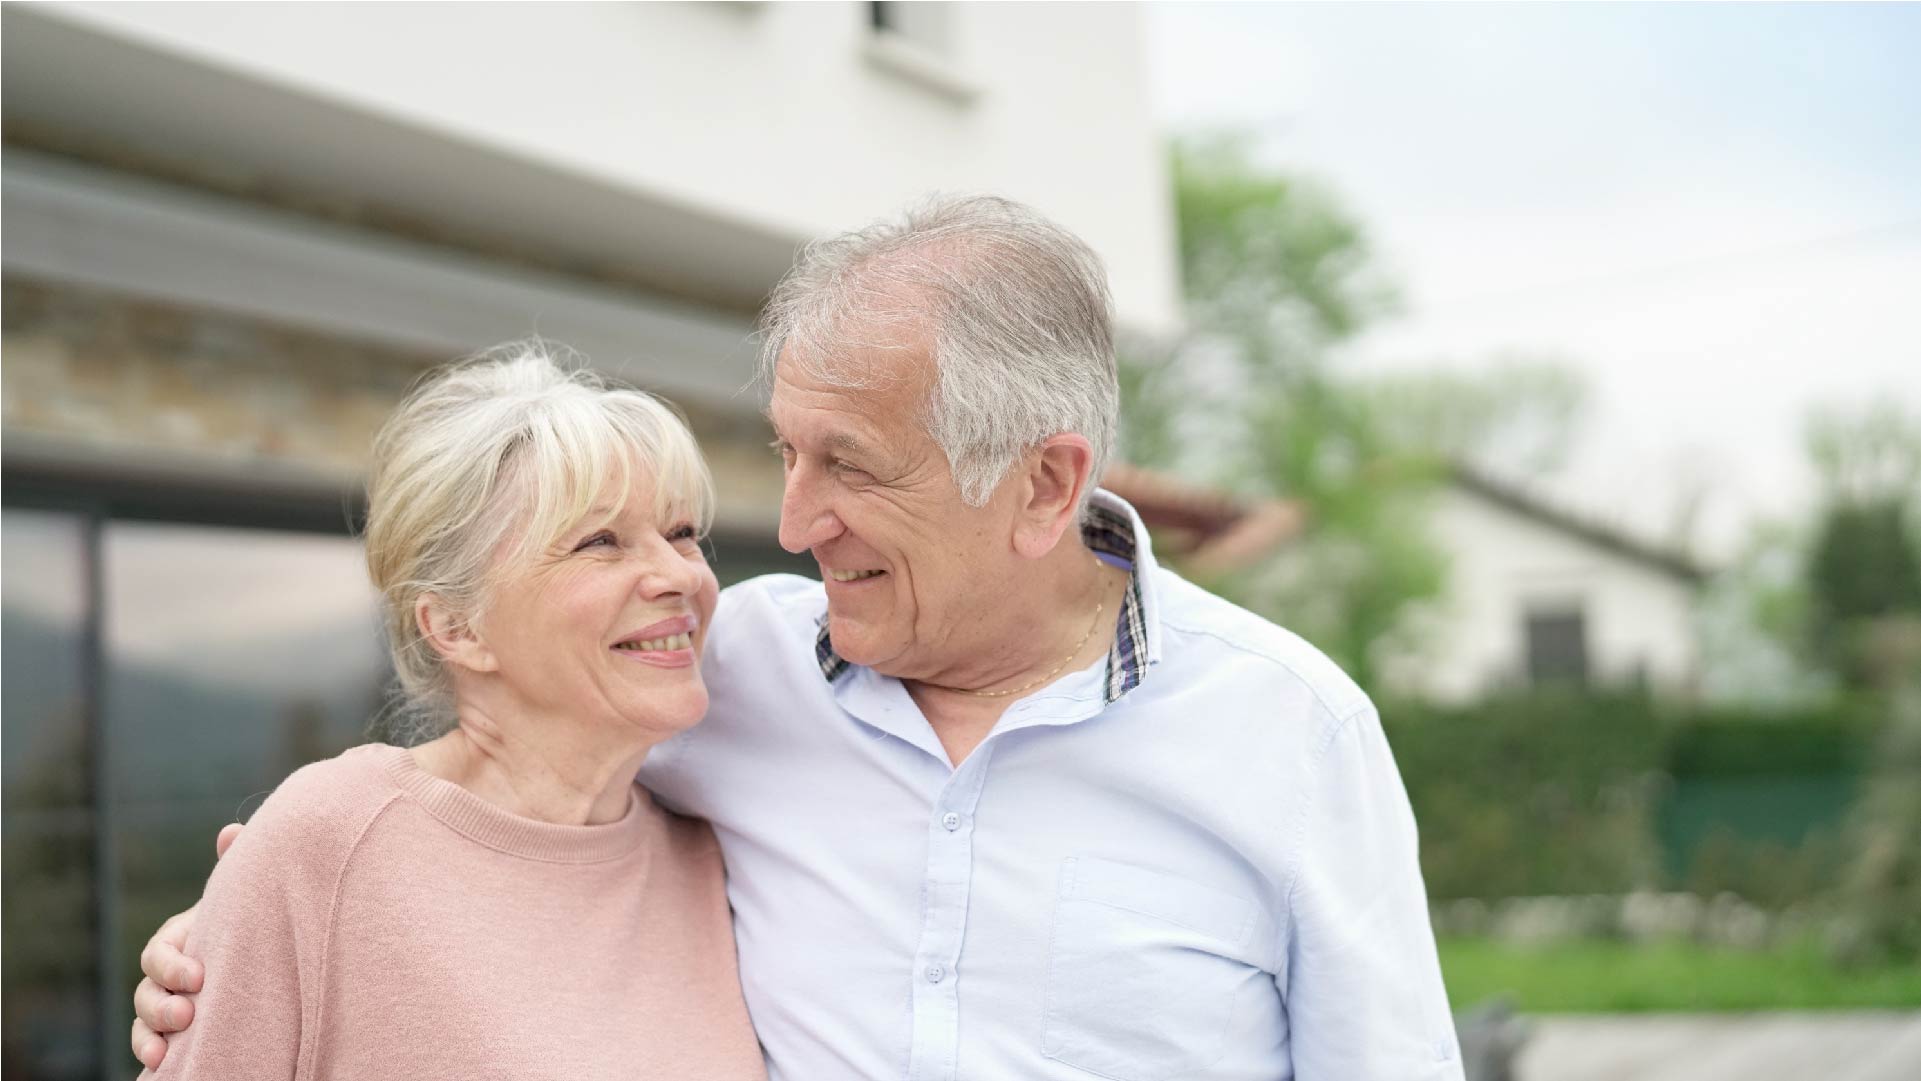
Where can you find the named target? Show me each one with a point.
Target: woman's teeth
(851, 576)
(684, 640)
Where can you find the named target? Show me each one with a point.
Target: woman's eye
(683, 533)
(598, 540)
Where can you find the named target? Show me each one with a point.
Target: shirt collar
(1113, 531)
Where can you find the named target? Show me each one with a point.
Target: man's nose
(806, 520)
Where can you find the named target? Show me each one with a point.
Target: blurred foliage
(1534, 794)
(1274, 260)
(1517, 416)
(1751, 618)
(1881, 886)
(1826, 603)
(1866, 454)
(1864, 569)
(1561, 793)
(1720, 741)
(1276, 274)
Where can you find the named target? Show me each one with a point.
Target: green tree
(1275, 274)
(1864, 562)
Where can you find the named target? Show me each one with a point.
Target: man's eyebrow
(846, 444)
(838, 442)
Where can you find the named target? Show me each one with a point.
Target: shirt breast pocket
(1142, 977)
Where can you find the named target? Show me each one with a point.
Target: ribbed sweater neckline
(513, 834)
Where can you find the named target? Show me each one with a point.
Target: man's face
(909, 567)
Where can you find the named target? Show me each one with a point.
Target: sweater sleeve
(262, 930)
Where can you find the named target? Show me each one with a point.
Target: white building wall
(1639, 620)
(783, 117)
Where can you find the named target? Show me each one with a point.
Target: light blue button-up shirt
(1193, 859)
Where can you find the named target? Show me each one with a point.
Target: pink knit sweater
(375, 921)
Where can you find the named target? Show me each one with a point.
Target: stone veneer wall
(108, 379)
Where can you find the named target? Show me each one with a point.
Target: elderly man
(1000, 797)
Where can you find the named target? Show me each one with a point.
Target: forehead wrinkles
(868, 331)
(885, 389)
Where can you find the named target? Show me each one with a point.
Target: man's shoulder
(771, 611)
(1193, 618)
(787, 596)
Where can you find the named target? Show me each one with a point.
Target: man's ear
(455, 639)
(1054, 475)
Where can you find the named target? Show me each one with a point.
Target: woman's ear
(456, 639)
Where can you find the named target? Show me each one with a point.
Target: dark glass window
(1557, 646)
(161, 678)
(52, 956)
(232, 658)
(928, 24)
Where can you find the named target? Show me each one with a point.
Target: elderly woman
(536, 538)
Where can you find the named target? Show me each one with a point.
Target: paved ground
(1864, 1046)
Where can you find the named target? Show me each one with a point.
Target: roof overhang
(71, 83)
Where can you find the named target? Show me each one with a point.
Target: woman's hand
(158, 1004)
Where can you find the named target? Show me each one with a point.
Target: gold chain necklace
(1099, 607)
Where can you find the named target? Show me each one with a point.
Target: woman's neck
(546, 779)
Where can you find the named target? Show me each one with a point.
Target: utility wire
(1679, 268)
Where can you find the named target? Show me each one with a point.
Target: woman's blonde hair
(485, 465)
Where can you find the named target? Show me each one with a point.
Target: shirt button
(951, 821)
(935, 973)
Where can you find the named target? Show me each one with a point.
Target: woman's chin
(681, 708)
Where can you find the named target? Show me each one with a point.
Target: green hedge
(1801, 743)
(1569, 793)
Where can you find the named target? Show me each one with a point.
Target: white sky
(1712, 212)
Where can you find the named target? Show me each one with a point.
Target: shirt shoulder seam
(1313, 685)
(310, 1042)
(1299, 855)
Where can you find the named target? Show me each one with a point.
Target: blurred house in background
(236, 233)
(1539, 596)
(1535, 596)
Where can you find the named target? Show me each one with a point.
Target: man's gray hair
(1016, 310)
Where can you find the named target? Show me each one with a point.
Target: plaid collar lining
(1107, 532)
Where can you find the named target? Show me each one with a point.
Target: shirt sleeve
(1362, 984)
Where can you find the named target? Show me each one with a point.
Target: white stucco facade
(690, 142)
(1505, 564)
(429, 179)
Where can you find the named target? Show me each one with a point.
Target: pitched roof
(1511, 497)
(1211, 530)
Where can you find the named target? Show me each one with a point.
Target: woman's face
(608, 623)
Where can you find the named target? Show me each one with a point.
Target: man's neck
(560, 780)
(1077, 599)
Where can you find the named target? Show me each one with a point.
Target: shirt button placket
(947, 886)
